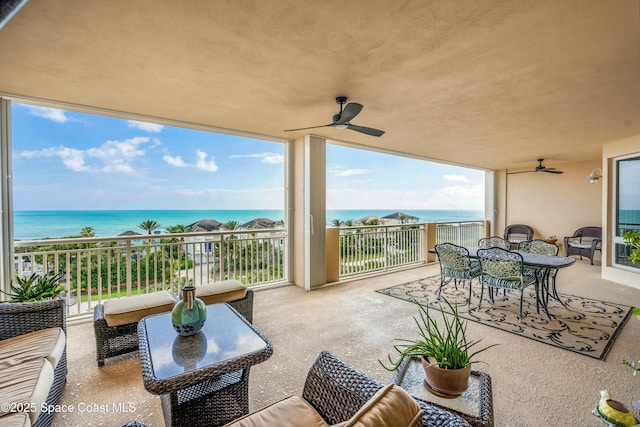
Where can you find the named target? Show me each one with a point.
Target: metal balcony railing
(378, 248)
(461, 233)
(100, 268)
(369, 249)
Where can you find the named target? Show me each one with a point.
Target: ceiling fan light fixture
(341, 126)
(595, 176)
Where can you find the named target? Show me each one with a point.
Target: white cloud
(203, 164)
(455, 178)
(454, 197)
(52, 114)
(174, 161)
(270, 158)
(115, 156)
(147, 127)
(337, 171)
(189, 192)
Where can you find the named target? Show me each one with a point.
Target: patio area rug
(583, 325)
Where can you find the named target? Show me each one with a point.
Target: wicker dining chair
(456, 265)
(516, 233)
(503, 269)
(494, 242)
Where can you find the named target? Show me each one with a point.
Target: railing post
(128, 268)
(386, 248)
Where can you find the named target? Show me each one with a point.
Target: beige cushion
(132, 309)
(290, 412)
(48, 343)
(391, 406)
(28, 382)
(15, 420)
(225, 291)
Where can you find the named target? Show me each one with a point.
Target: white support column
(6, 197)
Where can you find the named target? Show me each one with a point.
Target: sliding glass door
(627, 215)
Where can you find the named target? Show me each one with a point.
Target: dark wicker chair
(584, 242)
(21, 318)
(114, 341)
(337, 391)
(516, 233)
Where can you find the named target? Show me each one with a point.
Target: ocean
(34, 225)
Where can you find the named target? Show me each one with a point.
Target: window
(627, 205)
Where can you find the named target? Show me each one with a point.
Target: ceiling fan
(343, 118)
(540, 168)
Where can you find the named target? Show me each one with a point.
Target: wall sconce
(595, 175)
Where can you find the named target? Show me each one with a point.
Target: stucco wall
(553, 204)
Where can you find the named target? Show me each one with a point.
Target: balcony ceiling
(490, 84)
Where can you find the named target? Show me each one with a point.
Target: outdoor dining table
(545, 263)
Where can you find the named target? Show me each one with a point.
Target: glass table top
(224, 336)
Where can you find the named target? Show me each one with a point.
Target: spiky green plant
(447, 345)
(36, 288)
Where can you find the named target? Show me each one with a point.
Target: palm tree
(179, 228)
(337, 222)
(149, 225)
(87, 232)
(349, 223)
(231, 226)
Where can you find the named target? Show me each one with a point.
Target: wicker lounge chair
(336, 391)
(584, 242)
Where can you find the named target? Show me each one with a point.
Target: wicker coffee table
(475, 405)
(203, 379)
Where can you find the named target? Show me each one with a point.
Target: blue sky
(64, 160)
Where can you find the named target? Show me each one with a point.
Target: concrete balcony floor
(533, 384)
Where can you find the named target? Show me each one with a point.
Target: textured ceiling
(491, 84)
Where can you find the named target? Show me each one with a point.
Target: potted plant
(632, 239)
(445, 351)
(36, 288)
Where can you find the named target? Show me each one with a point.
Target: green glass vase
(189, 314)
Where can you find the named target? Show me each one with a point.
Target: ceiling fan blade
(311, 127)
(366, 130)
(350, 111)
(513, 173)
(551, 170)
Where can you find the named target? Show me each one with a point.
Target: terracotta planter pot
(446, 382)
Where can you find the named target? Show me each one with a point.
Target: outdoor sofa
(115, 322)
(33, 361)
